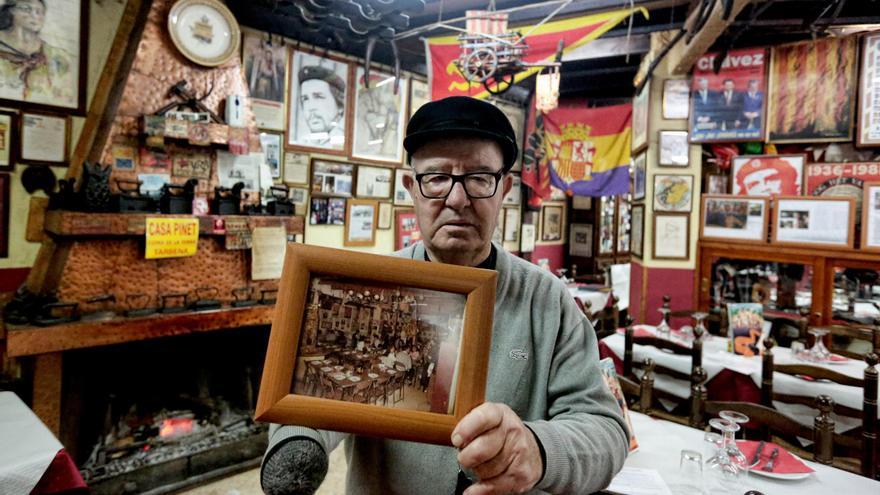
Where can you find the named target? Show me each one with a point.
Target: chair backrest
(779, 321)
(850, 332)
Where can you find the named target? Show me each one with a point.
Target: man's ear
(409, 181)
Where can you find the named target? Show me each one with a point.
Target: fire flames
(173, 427)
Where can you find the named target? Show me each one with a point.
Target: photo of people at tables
(380, 344)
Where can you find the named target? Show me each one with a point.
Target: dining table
(596, 296)
(659, 453)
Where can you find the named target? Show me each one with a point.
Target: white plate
(326, 369)
(372, 375)
(779, 476)
(354, 379)
(338, 376)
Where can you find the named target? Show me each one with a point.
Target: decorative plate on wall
(204, 31)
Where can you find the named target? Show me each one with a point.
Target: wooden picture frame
(581, 240)
(360, 218)
(41, 141)
(296, 168)
(419, 94)
(552, 229)
(637, 226)
(277, 402)
(5, 205)
(401, 195)
(672, 234)
(379, 116)
(264, 64)
(673, 192)
(795, 213)
(640, 175)
(406, 228)
(673, 148)
(676, 99)
(788, 172)
(739, 219)
(273, 151)
(514, 197)
(581, 202)
(325, 178)
(869, 90)
(641, 118)
(9, 141)
(327, 134)
(870, 217)
(374, 182)
(383, 221)
(716, 183)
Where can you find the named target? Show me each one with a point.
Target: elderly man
(549, 424)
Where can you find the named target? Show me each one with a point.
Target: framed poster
(728, 106)
(379, 117)
(640, 112)
(676, 101)
(296, 168)
(374, 182)
(401, 195)
(870, 217)
(271, 143)
(826, 222)
(511, 225)
(384, 220)
(581, 240)
(640, 175)
(551, 223)
(869, 92)
(4, 214)
(265, 70)
(840, 179)
(360, 222)
(674, 149)
(419, 94)
(406, 229)
(517, 117)
(767, 175)
(47, 46)
(295, 389)
(8, 140)
(673, 192)
(318, 103)
(734, 218)
(44, 138)
(332, 178)
(637, 223)
(716, 183)
(581, 202)
(814, 91)
(514, 197)
(671, 236)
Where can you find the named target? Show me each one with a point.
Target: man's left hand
(494, 443)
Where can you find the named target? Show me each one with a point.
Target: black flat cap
(461, 116)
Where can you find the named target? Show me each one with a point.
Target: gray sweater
(543, 364)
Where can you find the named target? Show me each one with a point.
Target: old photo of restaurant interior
(685, 239)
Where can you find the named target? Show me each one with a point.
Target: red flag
(534, 167)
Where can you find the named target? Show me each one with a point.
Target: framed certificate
(44, 138)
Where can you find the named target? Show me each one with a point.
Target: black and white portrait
(379, 117)
(317, 110)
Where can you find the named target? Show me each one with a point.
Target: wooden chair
(638, 391)
(379, 390)
(361, 392)
(329, 390)
(842, 335)
(782, 324)
(311, 379)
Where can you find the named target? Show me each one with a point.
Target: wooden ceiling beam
(684, 55)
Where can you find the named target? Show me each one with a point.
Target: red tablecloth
(61, 476)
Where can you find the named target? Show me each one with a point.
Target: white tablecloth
(27, 447)
(661, 443)
(597, 298)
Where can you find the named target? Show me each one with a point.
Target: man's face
(318, 105)
(457, 223)
(763, 182)
(753, 86)
(728, 85)
(704, 84)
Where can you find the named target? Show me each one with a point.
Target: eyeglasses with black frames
(477, 185)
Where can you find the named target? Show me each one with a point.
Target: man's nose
(458, 197)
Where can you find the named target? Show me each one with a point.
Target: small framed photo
(44, 138)
(8, 140)
(384, 221)
(815, 221)
(581, 243)
(298, 195)
(767, 175)
(401, 195)
(332, 178)
(673, 192)
(337, 360)
(640, 176)
(406, 229)
(674, 147)
(379, 117)
(552, 222)
(640, 112)
(514, 197)
(581, 202)
(296, 168)
(360, 222)
(676, 99)
(716, 183)
(327, 211)
(638, 230)
(374, 182)
(671, 236)
(271, 143)
(871, 217)
(511, 225)
(735, 218)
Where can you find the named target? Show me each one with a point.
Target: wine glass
(819, 352)
(663, 328)
(728, 468)
(737, 417)
(700, 317)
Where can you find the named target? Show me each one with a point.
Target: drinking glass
(711, 443)
(728, 468)
(690, 473)
(700, 317)
(819, 352)
(663, 328)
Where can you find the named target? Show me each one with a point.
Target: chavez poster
(729, 106)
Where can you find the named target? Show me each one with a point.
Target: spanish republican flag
(582, 151)
(446, 80)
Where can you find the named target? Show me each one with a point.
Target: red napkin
(838, 357)
(785, 463)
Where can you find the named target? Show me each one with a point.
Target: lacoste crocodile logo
(518, 354)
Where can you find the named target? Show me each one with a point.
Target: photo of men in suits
(753, 105)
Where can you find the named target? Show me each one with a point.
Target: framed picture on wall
(676, 103)
(638, 230)
(298, 195)
(581, 202)
(401, 195)
(581, 240)
(671, 236)
(640, 114)
(640, 175)
(406, 229)
(48, 72)
(551, 223)
(4, 214)
(313, 278)
(379, 117)
(827, 222)
(734, 218)
(870, 217)
(840, 179)
(318, 103)
(674, 149)
(271, 143)
(869, 92)
(327, 211)
(514, 197)
(332, 178)
(419, 94)
(296, 168)
(511, 225)
(673, 192)
(767, 175)
(716, 183)
(360, 222)
(8, 140)
(384, 220)
(44, 138)
(374, 182)
(264, 62)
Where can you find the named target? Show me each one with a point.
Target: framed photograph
(676, 99)
(332, 178)
(360, 222)
(384, 220)
(674, 149)
(44, 138)
(637, 224)
(640, 113)
(271, 143)
(767, 175)
(581, 202)
(419, 94)
(406, 229)
(728, 106)
(814, 91)
(623, 225)
(734, 218)
(716, 183)
(8, 140)
(46, 65)
(640, 175)
(296, 168)
(374, 182)
(401, 195)
(318, 103)
(606, 224)
(338, 313)
(869, 92)
(527, 239)
(498, 233)
(581, 240)
(514, 197)
(327, 211)
(840, 179)
(511, 225)
(552, 222)
(673, 192)
(5, 180)
(379, 118)
(264, 62)
(671, 236)
(870, 217)
(298, 195)
(825, 222)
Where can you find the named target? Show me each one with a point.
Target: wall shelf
(62, 223)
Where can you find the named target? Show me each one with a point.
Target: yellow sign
(172, 237)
